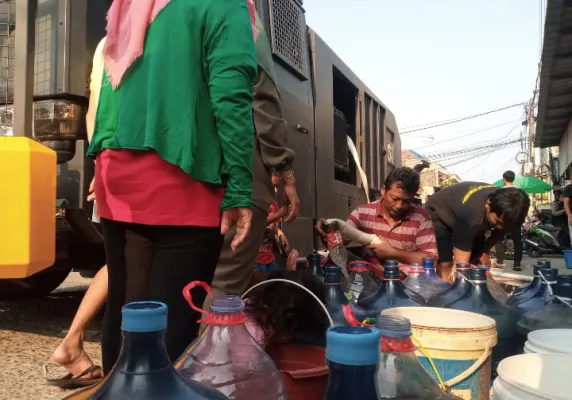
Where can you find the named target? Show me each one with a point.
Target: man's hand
(292, 258)
(283, 239)
(570, 220)
(383, 250)
(291, 202)
(243, 218)
(91, 196)
(485, 259)
(320, 226)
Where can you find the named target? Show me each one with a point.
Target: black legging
(156, 263)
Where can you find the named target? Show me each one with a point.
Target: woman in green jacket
(173, 143)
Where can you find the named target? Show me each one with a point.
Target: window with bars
(376, 152)
(390, 148)
(367, 159)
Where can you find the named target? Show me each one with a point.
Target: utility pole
(531, 126)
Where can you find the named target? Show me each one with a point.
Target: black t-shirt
(567, 191)
(460, 209)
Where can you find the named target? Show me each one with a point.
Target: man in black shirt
(462, 215)
(566, 196)
(515, 233)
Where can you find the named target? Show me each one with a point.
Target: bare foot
(75, 360)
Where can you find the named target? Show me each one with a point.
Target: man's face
(495, 221)
(396, 202)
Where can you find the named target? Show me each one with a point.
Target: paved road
(29, 333)
(31, 330)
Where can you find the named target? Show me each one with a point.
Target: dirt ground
(30, 331)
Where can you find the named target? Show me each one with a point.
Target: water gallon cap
(314, 259)
(391, 272)
(144, 316)
(478, 274)
(564, 286)
(463, 266)
(415, 267)
(353, 345)
(332, 274)
(359, 266)
(539, 267)
(428, 263)
(391, 262)
(394, 327)
(549, 274)
(546, 263)
(227, 304)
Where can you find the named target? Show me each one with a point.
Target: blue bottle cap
(539, 267)
(394, 327)
(227, 304)
(478, 274)
(315, 259)
(144, 316)
(332, 274)
(353, 345)
(391, 272)
(391, 262)
(545, 263)
(428, 263)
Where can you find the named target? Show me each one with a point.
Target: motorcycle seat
(550, 228)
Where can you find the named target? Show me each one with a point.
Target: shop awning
(555, 97)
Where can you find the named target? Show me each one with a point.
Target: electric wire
(416, 128)
(468, 134)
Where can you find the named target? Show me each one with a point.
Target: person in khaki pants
(235, 268)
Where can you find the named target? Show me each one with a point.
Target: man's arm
(465, 232)
(425, 243)
(271, 128)
(566, 201)
(554, 209)
(271, 131)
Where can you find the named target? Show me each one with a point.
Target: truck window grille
(288, 28)
(368, 139)
(381, 145)
(375, 176)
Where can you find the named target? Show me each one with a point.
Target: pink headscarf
(127, 23)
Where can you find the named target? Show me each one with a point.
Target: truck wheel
(37, 285)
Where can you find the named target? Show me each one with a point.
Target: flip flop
(70, 382)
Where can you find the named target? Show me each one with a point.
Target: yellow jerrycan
(27, 207)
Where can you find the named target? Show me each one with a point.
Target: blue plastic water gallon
(352, 354)
(143, 370)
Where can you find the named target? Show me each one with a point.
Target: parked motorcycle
(539, 240)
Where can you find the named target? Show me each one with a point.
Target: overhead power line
(469, 134)
(423, 127)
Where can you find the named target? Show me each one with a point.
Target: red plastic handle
(187, 294)
(359, 269)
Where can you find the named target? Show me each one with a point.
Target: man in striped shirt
(405, 230)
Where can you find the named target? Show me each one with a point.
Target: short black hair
(510, 204)
(509, 176)
(406, 179)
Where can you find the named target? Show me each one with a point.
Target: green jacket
(193, 108)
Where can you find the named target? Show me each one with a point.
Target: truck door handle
(302, 129)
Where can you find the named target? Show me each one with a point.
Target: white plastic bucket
(460, 344)
(533, 377)
(549, 341)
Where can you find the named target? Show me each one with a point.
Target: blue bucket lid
(353, 345)
(144, 316)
